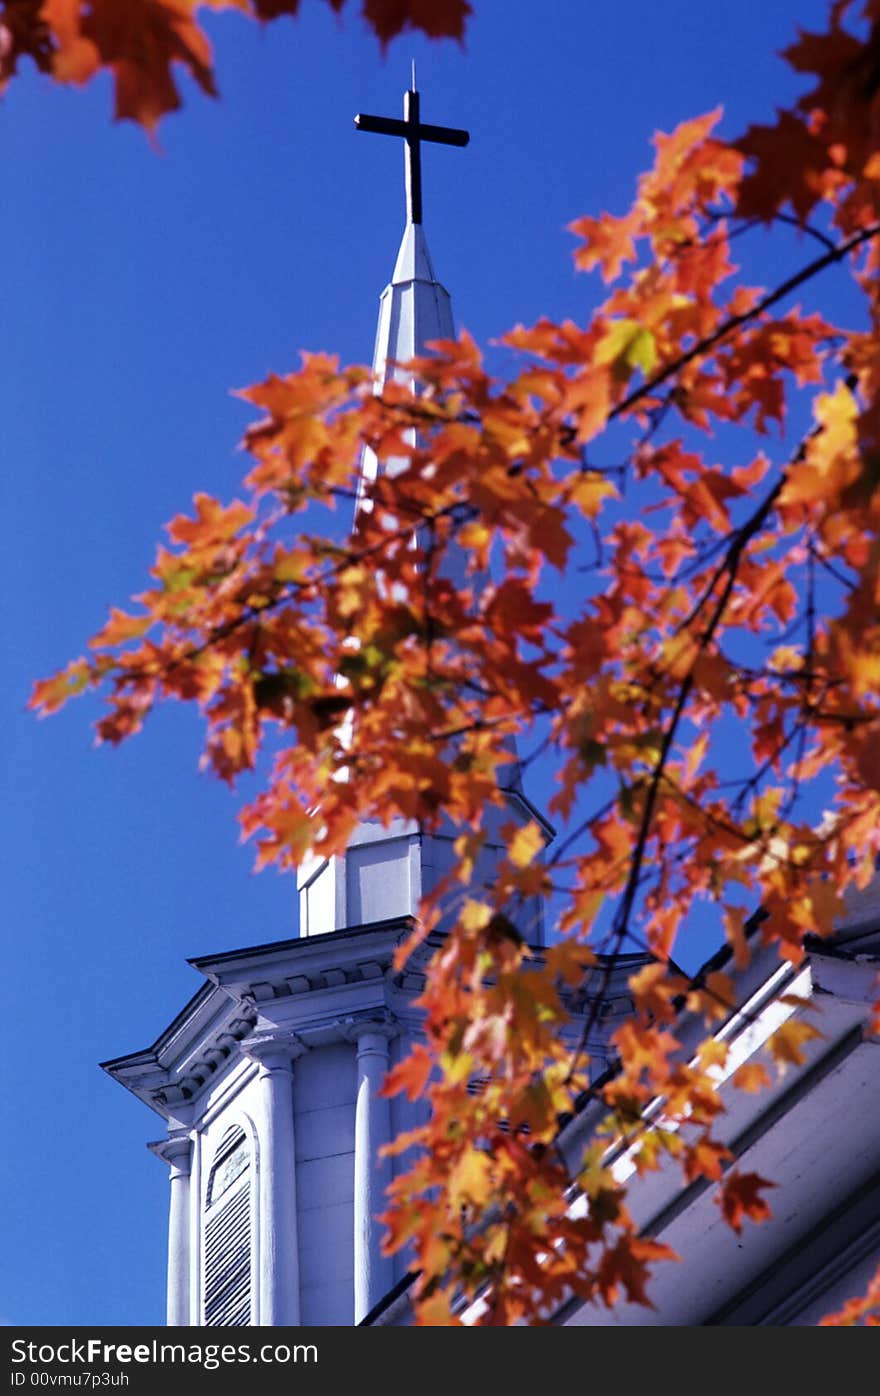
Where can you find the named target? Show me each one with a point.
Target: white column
(279, 1246)
(372, 1173)
(177, 1153)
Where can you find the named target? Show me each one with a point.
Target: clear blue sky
(137, 289)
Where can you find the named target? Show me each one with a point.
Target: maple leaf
(787, 1042)
(24, 32)
(655, 990)
(790, 165)
(740, 1197)
(526, 844)
(626, 1266)
(714, 997)
(608, 242)
(751, 1076)
(830, 461)
(569, 960)
(705, 1159)
(712, 1053)
(410, 1075)
(50, 694)
(120, 628)
(627, 345)
(138, 40)
(437, 18)
(470, 1182)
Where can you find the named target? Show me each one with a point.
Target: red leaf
(439, 19)
(740, 1197)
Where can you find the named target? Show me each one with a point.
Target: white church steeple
(387, 870)
(414, 309)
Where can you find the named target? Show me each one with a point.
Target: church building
(267, 1080)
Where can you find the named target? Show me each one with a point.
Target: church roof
(304, 984)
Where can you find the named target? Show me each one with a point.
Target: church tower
(267, 1080)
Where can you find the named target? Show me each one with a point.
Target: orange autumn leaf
(139, 41)
(50, 694)
(655, 991)
(705, 1159)
(751, 1077)
(626, 1269)
(120, 628)
(863, 1309)
(142, 42)
(608, 243)
(410, 1075)
(786, 1044)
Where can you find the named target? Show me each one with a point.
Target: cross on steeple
(414, 132)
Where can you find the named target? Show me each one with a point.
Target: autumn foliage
(140, 42)
(710, 698)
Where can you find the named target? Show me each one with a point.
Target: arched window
(228, 1260)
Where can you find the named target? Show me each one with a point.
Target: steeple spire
(414, 131)
(414, 308)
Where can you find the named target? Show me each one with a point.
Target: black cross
(413, 132)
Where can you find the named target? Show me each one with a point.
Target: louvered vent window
(228, 1234)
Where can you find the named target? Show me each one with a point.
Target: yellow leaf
(712, 1052)
(289, 566)
(526, 843)
(831, 458)
(471, 1179)
(627, 345)
(456, 1067)
(474, 535)
(589, 491)
(475, 916)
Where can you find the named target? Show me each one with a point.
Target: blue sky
(137, 289)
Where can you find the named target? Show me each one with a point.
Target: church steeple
(414, 308)
(387, 870)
